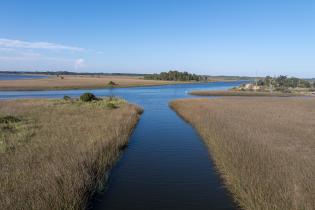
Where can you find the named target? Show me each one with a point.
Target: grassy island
(62, 82)
(281, 86)
(264, 148)
(54, 154)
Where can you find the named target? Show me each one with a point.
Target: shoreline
(231, 93)
(91, 87)
(81, 82)
(90, 82)
(7, 86)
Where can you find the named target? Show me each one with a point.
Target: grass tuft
(9, 119)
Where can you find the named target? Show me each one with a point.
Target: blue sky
(214, 37)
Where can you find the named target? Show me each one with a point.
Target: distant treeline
(71, 73)
(286, 82)
(175, 76)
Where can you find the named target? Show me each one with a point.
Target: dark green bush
(9, 119)
(111, 105)
(67, 98)
(86, 97)
(111, 83)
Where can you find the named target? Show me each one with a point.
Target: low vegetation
(87, 97)
(242, 93)
(175, 76)
(55, 154)
(263, 147)
(61, 82)
(281, 86)
(284, 82)
(67, 98)
(111, 83)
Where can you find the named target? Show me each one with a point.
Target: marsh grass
(62, 150)
(263, 147)
(244, 93)
(14, 131)
(79, 82)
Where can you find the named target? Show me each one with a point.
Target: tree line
(285, 82)
(175, 76)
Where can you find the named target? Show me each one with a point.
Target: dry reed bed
(58, 153)
(242, 93)
(263, 147)
(78, 82)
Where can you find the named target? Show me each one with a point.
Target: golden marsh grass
(244, 93)
(78, 82)
(263, 147)
(58, 153)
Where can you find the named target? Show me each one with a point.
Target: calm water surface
(166, 165)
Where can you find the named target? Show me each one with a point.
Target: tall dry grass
(263, 147)
(58, 153)
(245, 93)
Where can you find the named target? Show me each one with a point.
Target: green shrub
(86, 97)
(111, 83)
(111, 105)
(67, 98)
(9, 119)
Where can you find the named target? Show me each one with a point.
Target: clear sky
(214, 37)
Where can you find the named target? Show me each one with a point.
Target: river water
(166, 164)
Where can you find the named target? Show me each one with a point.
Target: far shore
(249, 93)
(75, 82)
(81, 82)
